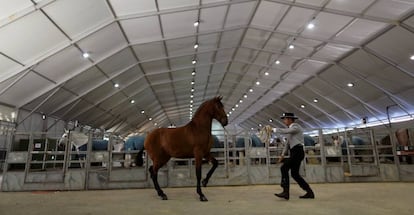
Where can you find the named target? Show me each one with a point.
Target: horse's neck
(202, 122)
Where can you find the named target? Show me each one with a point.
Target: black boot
(309, 195)
(284, 194)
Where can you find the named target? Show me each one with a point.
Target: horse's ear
(219, 98)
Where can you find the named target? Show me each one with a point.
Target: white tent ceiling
(147, 47)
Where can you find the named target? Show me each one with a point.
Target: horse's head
(218, 111)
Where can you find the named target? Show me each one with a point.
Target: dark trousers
(293, 164)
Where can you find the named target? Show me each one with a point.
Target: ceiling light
(150, 119)
(315, 100)
(350, 84)
(191, 105)
(291, 46)
(132, 101)
(155, 124)
(260, 125)
(310, 25)
(230, 112)
(251, 90)
(192, 96)
(116, 85)
(241, 101)
(228, 115)
(191, 101)
(196, 46)
(43, 116)
(196, 23)
(257, 83)
(191, 109)
(245, 96)
(270, 120)
(412, 57)
(194, 61)
(85, 55)
(266, 73)
(302, 106)
(193, 73)
(233, 109)
(237, 105)
(192, 82)
(142, 111)
(277, 62)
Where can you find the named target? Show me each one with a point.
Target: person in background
(295, 142)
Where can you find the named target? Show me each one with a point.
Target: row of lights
(193, 73)
(310, 26)
(132, 101)
(291, 46)
(257, 83)
(315, 100)
(238, 104)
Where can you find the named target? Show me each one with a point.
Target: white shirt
(294, 136)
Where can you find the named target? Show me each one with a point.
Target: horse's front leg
(211, 171)
(198, 161)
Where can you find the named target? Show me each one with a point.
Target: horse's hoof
(204, 182)
(164, 197)
(203, 199)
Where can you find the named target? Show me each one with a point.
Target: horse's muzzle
(224, 122)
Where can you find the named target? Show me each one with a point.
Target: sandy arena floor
(344, 198)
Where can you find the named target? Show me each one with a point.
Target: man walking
(294, 135)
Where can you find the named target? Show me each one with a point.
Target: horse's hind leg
(154, 176)
(211, 171)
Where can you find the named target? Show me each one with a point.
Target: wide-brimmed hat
(288, 115)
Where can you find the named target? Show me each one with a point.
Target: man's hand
(281, 159)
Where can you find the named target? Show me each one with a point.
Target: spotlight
(85, 55)
(277, 62)
(196, 23)
(310, 25)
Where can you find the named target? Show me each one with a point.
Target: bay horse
(194, 140)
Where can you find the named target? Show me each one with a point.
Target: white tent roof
(147, 47)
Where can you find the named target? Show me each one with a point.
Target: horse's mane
(206, 104)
